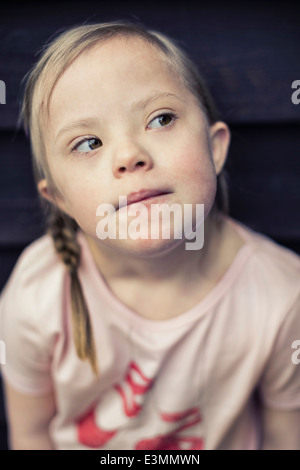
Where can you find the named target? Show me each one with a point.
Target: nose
(130, 157)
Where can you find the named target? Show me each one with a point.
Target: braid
(63, 231)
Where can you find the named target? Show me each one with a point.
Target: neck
(175, 265)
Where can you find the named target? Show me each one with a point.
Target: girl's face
(122, 122)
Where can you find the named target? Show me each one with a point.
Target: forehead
(115, 67)
(119, 54)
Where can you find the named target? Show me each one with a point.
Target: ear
(46, 193)
(220, 140)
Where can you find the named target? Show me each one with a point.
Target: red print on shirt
(173, 440)
(130, 390)
(134, 386)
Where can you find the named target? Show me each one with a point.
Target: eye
(87, 145)
(161, 121)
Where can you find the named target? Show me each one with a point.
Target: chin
(148, 248)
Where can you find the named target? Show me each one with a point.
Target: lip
(144, 195)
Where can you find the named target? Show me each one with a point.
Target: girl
(186, 349)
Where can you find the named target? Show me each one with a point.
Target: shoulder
(270, 255)
(35, 284)
(37, 256)
(272, 271)
(31, 316)
(37, 264)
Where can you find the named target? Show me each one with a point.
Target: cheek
(195, 171)
(202, 186)
(78, 197)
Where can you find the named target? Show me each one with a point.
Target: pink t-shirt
(190, 382)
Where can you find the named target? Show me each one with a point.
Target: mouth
(143, 196)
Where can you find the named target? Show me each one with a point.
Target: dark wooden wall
(250, 55)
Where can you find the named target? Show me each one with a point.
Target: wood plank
(250, 56)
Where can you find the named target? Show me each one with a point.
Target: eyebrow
(153, 97)
(86, 123)
(89, 122)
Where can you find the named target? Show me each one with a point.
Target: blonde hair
(40, 82)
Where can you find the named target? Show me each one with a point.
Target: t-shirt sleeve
(26, 351)
(280, 383)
